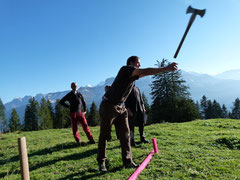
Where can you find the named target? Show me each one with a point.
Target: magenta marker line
(142, 166)
(146, 161)
(155, 147)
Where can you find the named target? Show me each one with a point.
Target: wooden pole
(23, 158)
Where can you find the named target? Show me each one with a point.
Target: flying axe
(194, 12)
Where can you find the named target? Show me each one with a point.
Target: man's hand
(84, 113)
(172, 67)
(144, 110)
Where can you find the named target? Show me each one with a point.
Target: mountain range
(224, 88)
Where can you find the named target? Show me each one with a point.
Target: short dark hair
(73, 83)
(107, 87)
(132, 59)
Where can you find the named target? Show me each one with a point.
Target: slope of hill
(201, 149)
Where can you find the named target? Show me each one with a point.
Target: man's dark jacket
(76, 102)
(134, 101)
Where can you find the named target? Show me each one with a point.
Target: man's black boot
(92, 141)
(143, 140)
(133, 144)
(130, 165)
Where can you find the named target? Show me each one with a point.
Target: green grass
(201, 149)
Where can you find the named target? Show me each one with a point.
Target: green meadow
(201, 149)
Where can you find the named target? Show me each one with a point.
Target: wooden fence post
(23, 158)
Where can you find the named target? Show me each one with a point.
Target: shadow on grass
(76, 156)
(95, 173)
(56, 148)
(46, 151)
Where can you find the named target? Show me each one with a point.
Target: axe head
(196, 11)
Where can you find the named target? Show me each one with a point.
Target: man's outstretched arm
(63, 101)
(152, 71)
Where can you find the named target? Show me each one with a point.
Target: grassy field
(201, 149)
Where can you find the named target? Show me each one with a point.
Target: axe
(194, 12)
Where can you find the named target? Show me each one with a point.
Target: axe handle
(185, 34)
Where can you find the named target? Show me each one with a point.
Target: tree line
(43, 116)
(171, 102)
(212, 109)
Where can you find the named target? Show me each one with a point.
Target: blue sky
(47, 44)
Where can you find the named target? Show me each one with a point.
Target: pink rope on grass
(142, 166)
(145, 162)
(155, 147)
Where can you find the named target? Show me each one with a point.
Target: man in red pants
(77, 101)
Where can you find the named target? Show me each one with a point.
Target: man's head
(107, 87)
(74, 86)
(134, 61)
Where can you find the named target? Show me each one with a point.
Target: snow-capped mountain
(225, 88)
(231, 74)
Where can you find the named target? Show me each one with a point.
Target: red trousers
(78, 117)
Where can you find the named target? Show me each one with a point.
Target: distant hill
(225, 91)
(231, 74)
(218, 87)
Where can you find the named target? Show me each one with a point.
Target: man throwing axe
(112, 109)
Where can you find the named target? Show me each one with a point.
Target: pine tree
(57, 116)
(87, 113)
(186, 110)
(93, 118)
(169, 94)
(209, 110)
(168, 86)
(27, 119)
(14, 121)
(45, 117)
(203, 105)
(34, 107)
(236, 109)
(31, 116)
(225, 113)
(198, 109)
(62, 118)
(3, 121)
(66, 120)
(216, 110)
(50, 107)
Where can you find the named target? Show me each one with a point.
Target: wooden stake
(23, 158)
